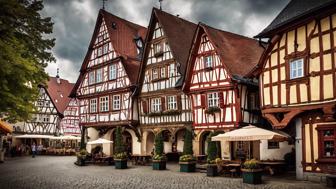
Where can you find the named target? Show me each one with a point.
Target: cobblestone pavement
(60, 172)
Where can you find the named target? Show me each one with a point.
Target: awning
(5, 127)
(33, 136)
(249, 133)
(65, 137)
(100, 141)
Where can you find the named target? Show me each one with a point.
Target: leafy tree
(24, 53)
(159, 144)
(118, 142)
(188, 146)
(212, 148)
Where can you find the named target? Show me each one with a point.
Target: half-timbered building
(163, 106)
(223, 94)
(298, 82)
(106, 85)
(70, 123)
(51, 103)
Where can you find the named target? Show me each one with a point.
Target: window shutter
(163, 103)
(144, 107)
(179, 103)
(221, 99)
(203, 102)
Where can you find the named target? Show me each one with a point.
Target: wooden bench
(331, 181)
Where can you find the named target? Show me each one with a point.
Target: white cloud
(66, 67)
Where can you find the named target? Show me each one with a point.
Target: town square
(167, 94)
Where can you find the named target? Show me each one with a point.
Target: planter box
(187, 166)
(252, 176)
(120, 163)
(80, 162)
(159, 165)
(212, 170)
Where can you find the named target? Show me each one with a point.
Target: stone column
(298, 149)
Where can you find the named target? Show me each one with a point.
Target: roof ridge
(170, 14)
(228, 32)
(127, 21)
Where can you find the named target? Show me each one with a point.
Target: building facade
(297, 82)
(222, 94)
(107, 82)
(163, 106)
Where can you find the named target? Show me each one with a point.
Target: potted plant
(81, 157)
(212, 156)
(252, 172)
(159, 159)
(120, 155)
(187, 160)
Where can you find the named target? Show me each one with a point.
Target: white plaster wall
(180, 141)
(136, 146)
(167, 147)
(274, 154)
(93, 134)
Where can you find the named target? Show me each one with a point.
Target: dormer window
(158, 49)
(139, 45)
(296, 68)
(208, 61)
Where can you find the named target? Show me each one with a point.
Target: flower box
(187, 166)
(159, 165)
(120, 163)
(213, 110)
(252, 176)
(212, 170)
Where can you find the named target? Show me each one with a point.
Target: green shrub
(118, 142)
(188, 146)
(187, 157)
(212, 149)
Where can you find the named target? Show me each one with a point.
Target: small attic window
(114, 25)
(61, 95)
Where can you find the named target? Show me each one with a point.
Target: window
(99, 77)
(208, 61)
(213, 100)
(172, 104)
(100, 51)
(171, 70)
(116, 102)
(155, 74)
(158, 49)
(93, 105)
(273, 144)
(163, 72)
(327, 140)
(105, 48)
(113, 71)
(91, 78)
(252, 103)
(156, 104)
(104, 103)
(296, 68)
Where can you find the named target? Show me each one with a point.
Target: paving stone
(60, 172)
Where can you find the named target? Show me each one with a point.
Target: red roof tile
(239, 54)
(122, 39)
(59, 92)
(179, 33)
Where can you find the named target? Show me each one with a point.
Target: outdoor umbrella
(249, 133)
(66, 137)
(33, 136)
(100, 141)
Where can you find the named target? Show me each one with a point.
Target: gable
(207, 69)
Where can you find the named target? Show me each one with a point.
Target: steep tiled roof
(295, 9)
(122, 38)
(179, 33)
(59, 92)
(239, 54)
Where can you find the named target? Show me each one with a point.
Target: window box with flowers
(212, 110)
(172, 112)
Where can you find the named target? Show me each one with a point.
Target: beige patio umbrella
(249, 133)
(100, 141)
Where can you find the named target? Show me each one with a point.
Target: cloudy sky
(74, 21)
